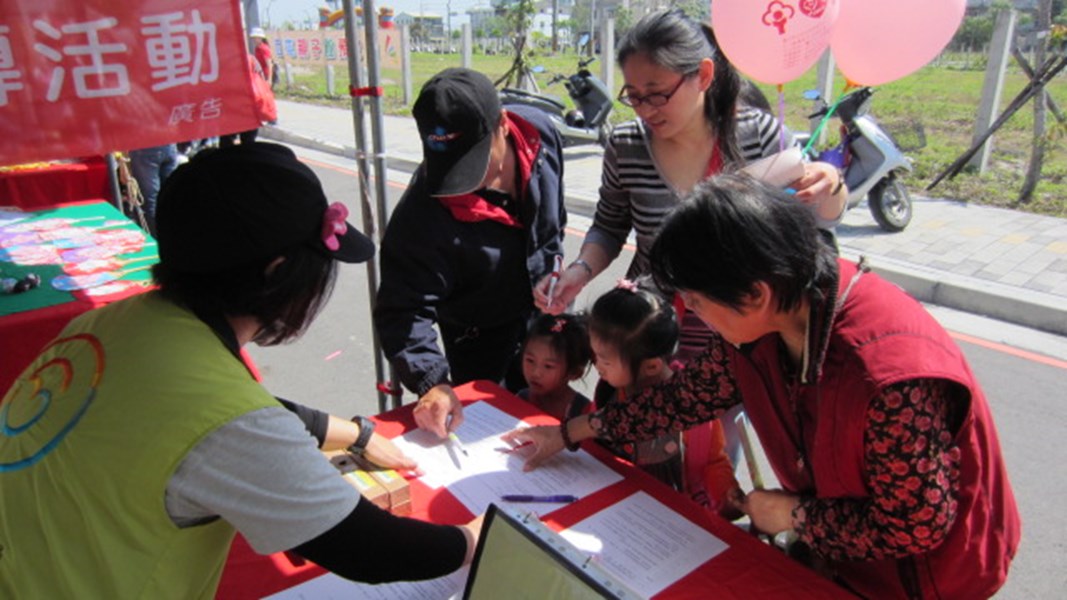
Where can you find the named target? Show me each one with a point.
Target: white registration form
(487, 471)
(332, 587)
(644, 543)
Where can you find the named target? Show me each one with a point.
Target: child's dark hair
(637, 322)
(566, 334)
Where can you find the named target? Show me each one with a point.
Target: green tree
(519, 16)
(695, 9)
(975, 32)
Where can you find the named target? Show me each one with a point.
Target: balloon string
(824, 121)
(781, 118)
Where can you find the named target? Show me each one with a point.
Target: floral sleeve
(912, 472)
(700, 392)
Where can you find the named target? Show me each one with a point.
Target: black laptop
(519, 557)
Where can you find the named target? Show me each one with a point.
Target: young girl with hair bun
(555, 353)
(633, 334)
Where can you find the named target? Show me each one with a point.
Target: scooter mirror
(812, 95)
(538, 69)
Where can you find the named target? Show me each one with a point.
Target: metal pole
(355, 67)
(377, 123)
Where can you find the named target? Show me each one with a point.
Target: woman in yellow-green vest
(138, 441)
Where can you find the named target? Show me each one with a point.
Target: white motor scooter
(869, 158)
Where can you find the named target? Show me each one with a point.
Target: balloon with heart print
(774, 41)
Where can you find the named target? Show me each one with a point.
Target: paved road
(994, 262)
(1022, 370)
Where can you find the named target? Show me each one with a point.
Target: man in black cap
(480, 223)
(140, 440)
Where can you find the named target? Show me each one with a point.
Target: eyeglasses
(655, 99)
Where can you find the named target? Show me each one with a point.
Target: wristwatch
(366, 430)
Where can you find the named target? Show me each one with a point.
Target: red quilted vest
(879, 337)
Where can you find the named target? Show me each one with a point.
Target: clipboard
(518, 556)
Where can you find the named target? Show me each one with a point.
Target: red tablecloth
(33, 189)
(30, 320)
(748, 569)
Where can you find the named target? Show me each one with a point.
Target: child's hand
(546, 440)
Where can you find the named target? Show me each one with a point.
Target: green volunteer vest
(89, 436)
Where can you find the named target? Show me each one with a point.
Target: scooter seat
(524, 97)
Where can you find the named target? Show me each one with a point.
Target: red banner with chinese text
(84, 77)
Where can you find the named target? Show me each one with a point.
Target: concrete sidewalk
(999, 263)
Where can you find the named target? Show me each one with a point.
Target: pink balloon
(876, 41)
(774, 41)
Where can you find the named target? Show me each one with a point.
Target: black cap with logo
(457, 112)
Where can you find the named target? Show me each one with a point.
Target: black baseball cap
(457, 112)
(231, 206)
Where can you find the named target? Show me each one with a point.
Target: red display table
(748, 569)
(37, 188)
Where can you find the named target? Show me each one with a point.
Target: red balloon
(877, 41)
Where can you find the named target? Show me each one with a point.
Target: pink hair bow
(333, 225)
(626, 284)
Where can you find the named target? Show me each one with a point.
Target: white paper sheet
(332, 587)
(644, 543)
(486, 473)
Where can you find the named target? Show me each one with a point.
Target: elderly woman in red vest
(874, 424)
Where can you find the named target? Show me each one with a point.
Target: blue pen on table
(561, 498)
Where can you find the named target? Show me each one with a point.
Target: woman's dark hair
(567, 335)
(285, 301)
(734, 231)
(672, 40)
(637, 322)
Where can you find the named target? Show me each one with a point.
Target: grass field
(930, 113)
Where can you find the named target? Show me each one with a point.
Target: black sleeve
(374, 546)
(314, 420)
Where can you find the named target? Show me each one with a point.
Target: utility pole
(592, 28)
(555, 26)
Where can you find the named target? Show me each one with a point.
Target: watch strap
(366, 430)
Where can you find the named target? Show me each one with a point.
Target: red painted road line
(1031, 356)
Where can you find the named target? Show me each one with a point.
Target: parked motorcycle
(588, 123)
(869, 158)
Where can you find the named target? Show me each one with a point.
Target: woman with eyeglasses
(689, 126)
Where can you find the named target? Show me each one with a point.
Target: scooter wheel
(890, 204)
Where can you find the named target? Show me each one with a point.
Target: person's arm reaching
(912, 472)
(697, 394)
(414, 281)
(374, 546)
(604, 240)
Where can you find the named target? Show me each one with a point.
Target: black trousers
(486, 353)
